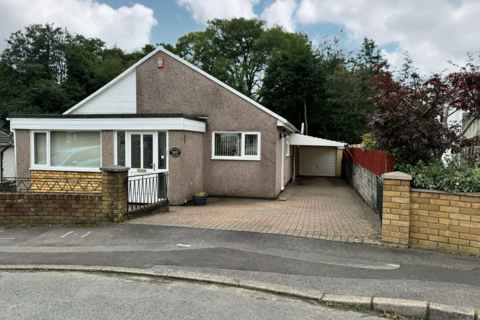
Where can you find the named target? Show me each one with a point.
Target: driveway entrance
(316, 207)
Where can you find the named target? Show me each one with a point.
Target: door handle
(153, 164)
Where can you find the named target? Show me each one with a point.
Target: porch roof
(303, 140)
(84, 122)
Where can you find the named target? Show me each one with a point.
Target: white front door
(146, 156)
(317, 161)
(141, 151)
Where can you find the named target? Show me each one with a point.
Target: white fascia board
(302, 140)
(111, 83)
(316, 144)
(89, 124)
(283, 124)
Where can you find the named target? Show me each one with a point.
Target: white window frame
(48, 166)
(128, 145)
(32, 149)
(287, 142)
(243, 156)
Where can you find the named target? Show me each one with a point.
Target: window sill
(237, 158)
(72, 169)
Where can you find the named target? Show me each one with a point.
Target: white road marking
(1, 230)
(183, 245)
(66, 234)
(7, 238)
(86, 234)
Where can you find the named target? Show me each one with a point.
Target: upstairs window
(236, 146)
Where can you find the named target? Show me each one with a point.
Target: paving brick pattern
(322, 208)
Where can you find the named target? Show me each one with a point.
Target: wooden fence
(377, 162)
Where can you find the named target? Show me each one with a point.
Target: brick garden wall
(429, 218)
(68, 208)
(363, 182)
(51, 208)
(445, 220)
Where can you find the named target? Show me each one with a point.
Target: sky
(432, 31)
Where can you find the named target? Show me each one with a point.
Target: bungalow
(165, 115)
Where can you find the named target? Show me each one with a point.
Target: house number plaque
(175, 152)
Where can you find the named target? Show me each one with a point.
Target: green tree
(234, 51)
(342, 114)
(45, 69)
(292, 80)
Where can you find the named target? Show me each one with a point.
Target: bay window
(66, 149)
(236, 146)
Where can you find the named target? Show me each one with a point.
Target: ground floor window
(67, 149)
(236, 145)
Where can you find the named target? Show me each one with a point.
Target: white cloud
(432, 31)
(128, 27)
(204, 10)
(281, 12)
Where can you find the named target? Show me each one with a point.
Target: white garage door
(317, 161)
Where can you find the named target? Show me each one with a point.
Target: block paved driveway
(322, 208)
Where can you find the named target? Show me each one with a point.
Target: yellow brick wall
(396, 211)
(445, 221)
(55, 181)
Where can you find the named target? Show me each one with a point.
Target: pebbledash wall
(363, 182)
(107, 206)
(429, 218)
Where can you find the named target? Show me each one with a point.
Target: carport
(316, 156)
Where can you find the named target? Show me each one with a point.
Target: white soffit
(303, 140)
(89, 124)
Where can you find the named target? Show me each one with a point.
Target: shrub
(453, 176)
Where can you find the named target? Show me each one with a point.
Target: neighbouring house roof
(4, 139)
(133, 67)
(303, 140)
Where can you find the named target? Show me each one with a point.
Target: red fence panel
(377, 162)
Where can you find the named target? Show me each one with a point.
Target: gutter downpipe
(1, 158)
(283, 162)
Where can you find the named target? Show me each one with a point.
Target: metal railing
(146, 192)
(18, 184)
(380, 198)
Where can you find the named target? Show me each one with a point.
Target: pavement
(313, 207)
(297, 266)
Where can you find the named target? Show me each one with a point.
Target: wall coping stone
(397, 175)
(115, 168)
(467, 194)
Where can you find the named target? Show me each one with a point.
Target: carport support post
(114, 192)
(396, 209)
